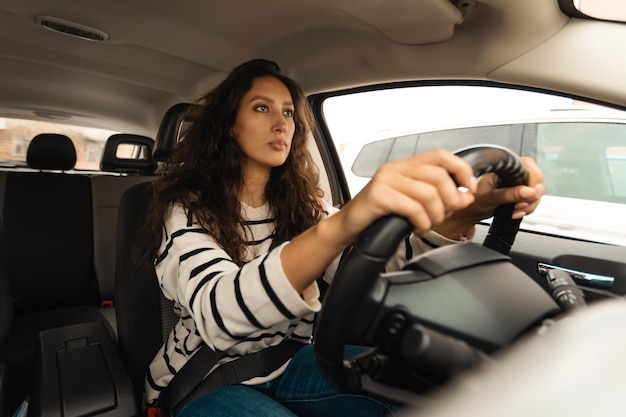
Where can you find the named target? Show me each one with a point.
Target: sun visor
(408, 21)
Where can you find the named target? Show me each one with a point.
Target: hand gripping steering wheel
(362, 268)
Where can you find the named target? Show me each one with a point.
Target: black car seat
(47, 245)
(6, 318)
(6, 307)
(80, 372)
(129, 156)
(144, 316)
(6, 304)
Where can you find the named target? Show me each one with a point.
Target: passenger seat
(129, 156)
(144, 315)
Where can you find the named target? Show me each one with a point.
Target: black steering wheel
(344, 312)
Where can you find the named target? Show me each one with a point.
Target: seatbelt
(190, 383)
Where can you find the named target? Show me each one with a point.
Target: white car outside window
(580, 147)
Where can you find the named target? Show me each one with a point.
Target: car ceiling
(161, 52)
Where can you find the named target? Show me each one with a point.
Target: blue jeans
(300, 391)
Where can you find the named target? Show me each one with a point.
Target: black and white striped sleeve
(228, 304)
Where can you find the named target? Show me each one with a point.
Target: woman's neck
(252, 198)
(252, 191)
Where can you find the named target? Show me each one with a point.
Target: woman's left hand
(489, 195)
(526, 198)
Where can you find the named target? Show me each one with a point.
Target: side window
(371, 157)
(616, 161)
(374, 154)
(580, 147)
(404, 146)
(508, 136)
(582, 159)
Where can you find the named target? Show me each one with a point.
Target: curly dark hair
(205, 172)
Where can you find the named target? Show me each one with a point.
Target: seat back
(140, 306)
(47, 244)
(6, 308)
(144, 316)
(129, 156)
(6, 318)
(47, 229)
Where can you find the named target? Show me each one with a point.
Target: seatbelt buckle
(106, 303)
(154, 412)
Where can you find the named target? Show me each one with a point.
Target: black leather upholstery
(48, 227)
(6, 319)
(6, 303)
(137, 293)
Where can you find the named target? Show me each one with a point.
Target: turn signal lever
(564, 290)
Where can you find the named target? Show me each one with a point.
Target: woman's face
(264, 125)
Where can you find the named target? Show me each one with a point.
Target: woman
(240, 234)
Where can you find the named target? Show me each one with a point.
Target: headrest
(51, 151)
(129, 154)
(169, 131)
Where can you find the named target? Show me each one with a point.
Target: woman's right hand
(421, 188)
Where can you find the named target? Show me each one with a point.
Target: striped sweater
(232, 309)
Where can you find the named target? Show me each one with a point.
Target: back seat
(48, 237)
(58, 241)
(47, 244)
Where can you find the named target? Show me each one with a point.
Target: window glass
(403, 146)
(580, 147)
(503, 135)
(16, 134)
(582, 159)
(372, 156)
(616, 161)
